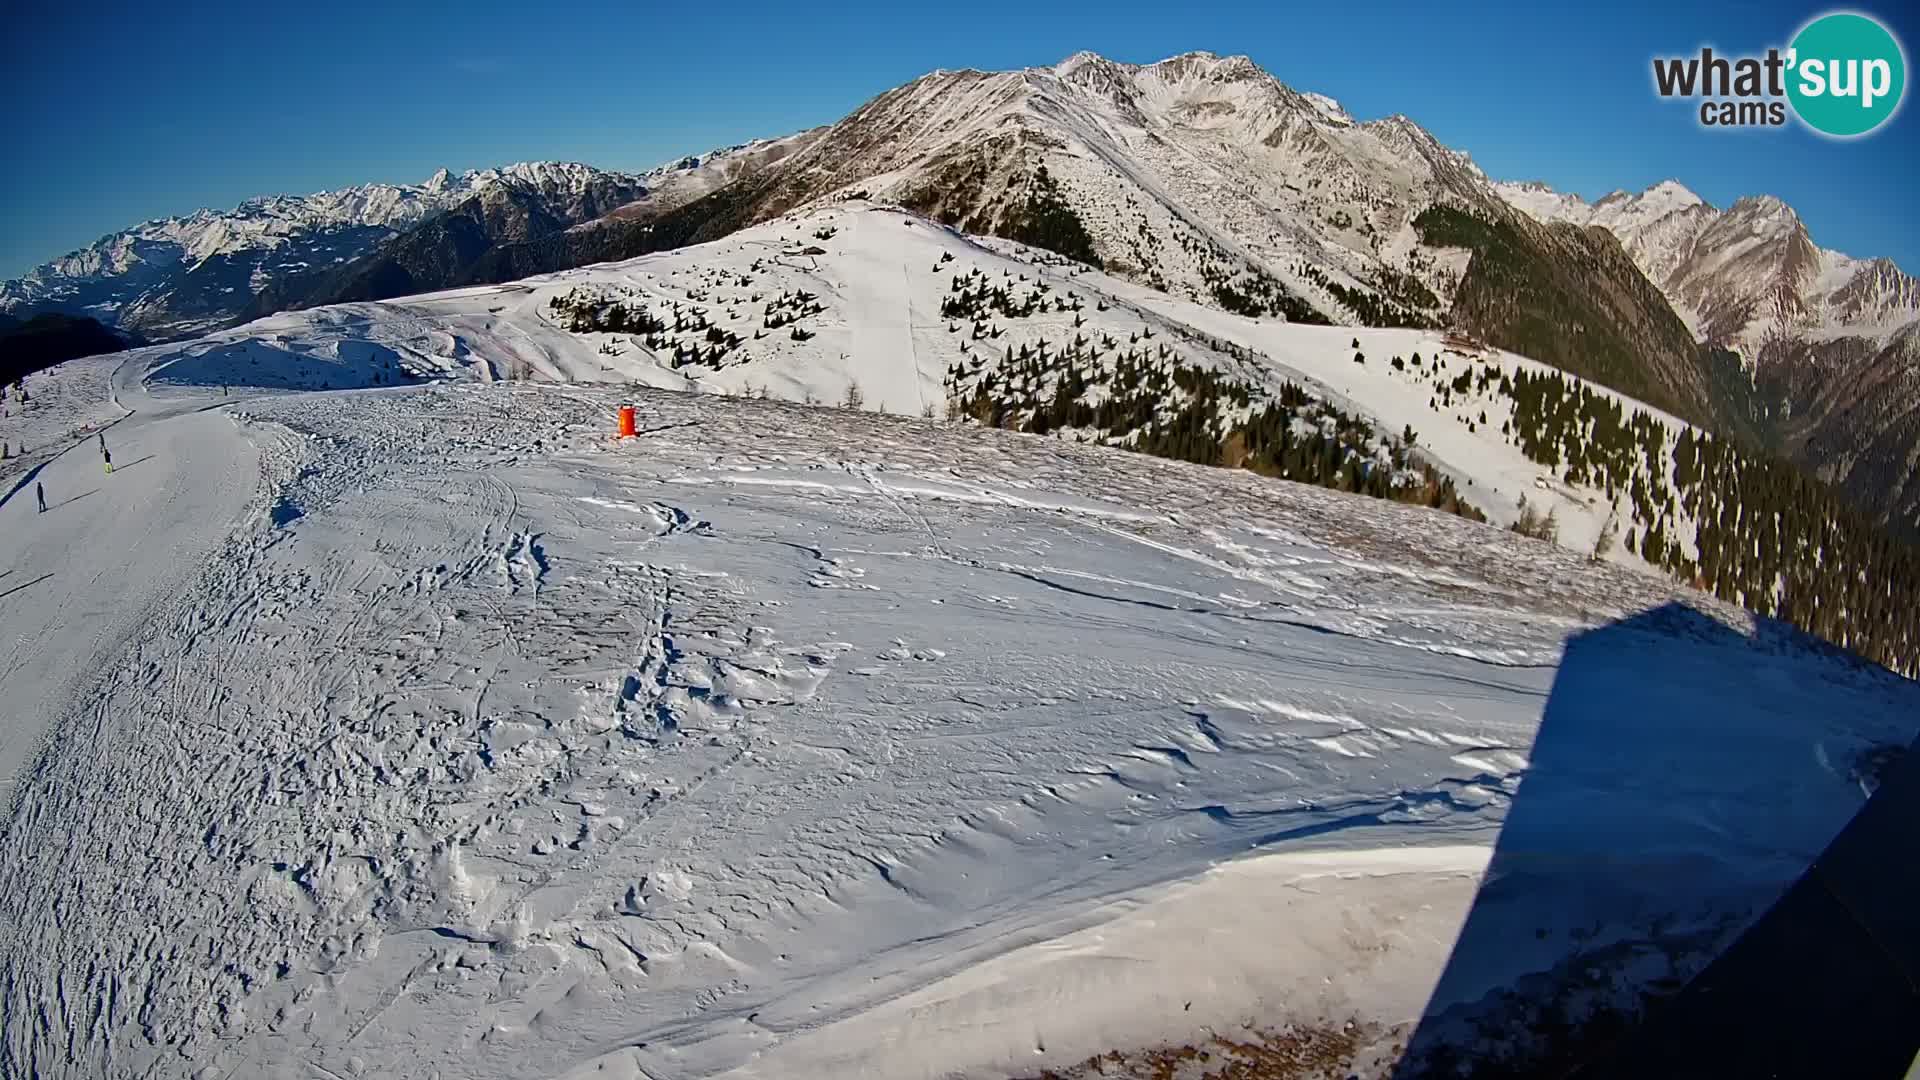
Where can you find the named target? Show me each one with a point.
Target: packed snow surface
(432, 731)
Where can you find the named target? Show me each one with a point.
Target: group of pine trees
(584, 311)
(1773, 540)
(681, 333)
(1045, 219)
(1243, 288)
(1398, 288)
(1378, 308)
(1142, 395)
(1744, 525)
(1258, 294)
(973, 297)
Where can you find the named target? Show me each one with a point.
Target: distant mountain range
(1202, 176)
(1742, 277)
(1832, 343)
(181, 276)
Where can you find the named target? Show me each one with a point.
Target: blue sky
(125, 112)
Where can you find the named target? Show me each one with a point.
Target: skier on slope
(40, 493)
(106, 458)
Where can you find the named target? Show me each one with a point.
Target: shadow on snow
(1683, 775)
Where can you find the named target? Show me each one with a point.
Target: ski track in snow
(475, 743)
(178, 490)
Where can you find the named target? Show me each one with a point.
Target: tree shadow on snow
(1671, 796)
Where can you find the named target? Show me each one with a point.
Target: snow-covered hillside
(432, 730)
(847, 299)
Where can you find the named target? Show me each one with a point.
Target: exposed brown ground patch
(1332, 1051)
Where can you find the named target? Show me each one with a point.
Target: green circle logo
(1847, 74)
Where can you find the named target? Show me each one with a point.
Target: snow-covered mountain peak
(1764, 210)
(542, 174)
(1177, 79)
(1656, 202)
(1199, 63)
(1205, 76)
(1182, 65)
(1538, 200)
(691, 162)
(1082, 60)
(1719, 267)
(1672, 193)
(685, 178)
(1194, 64)
(1213, 83)
(1186, 171)
(1329, 108)
(1095, 73)
(1408, 142)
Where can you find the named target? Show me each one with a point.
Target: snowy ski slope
(428, 731)
(359, 727)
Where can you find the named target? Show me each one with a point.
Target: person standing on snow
(106, 458)
(40, 493)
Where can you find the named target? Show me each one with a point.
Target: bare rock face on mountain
(1830, 344)
(1201, 175)
(1850, 413)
